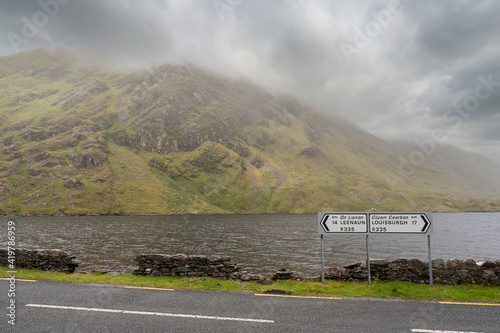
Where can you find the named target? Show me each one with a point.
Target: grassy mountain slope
(78, 139)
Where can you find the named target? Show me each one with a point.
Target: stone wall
(409, 270)
(47, 260)
(194, 266)
(413, 270)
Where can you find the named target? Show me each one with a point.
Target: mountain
(79, 139)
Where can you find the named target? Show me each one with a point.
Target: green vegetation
(77, 139)
(378, 289)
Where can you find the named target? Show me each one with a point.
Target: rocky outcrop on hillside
(88, 159)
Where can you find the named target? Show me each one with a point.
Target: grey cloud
(19, 7)
(113, 28)
(488, 132)
(476, 86)
(445, 35)
(458, 29)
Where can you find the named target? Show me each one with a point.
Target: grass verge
(378, 289)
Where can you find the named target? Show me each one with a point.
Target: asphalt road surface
(45, 306)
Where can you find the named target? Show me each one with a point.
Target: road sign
(402, 223)
(343, 223)
(375, 223)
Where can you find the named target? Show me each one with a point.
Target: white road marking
(145, 313)
(438, 331)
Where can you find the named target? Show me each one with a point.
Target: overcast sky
(405, 70)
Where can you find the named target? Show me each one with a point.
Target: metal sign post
(430, 260)
(368, 260)
(322, 261)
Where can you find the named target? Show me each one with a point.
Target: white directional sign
(343, 223)
(375, 223)
(404, 223)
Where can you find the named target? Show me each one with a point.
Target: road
(46, 306)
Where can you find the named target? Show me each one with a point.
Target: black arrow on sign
(323, 223)
(426, 221)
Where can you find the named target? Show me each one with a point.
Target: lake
(260, 243)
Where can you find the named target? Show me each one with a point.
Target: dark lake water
(261, 243)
